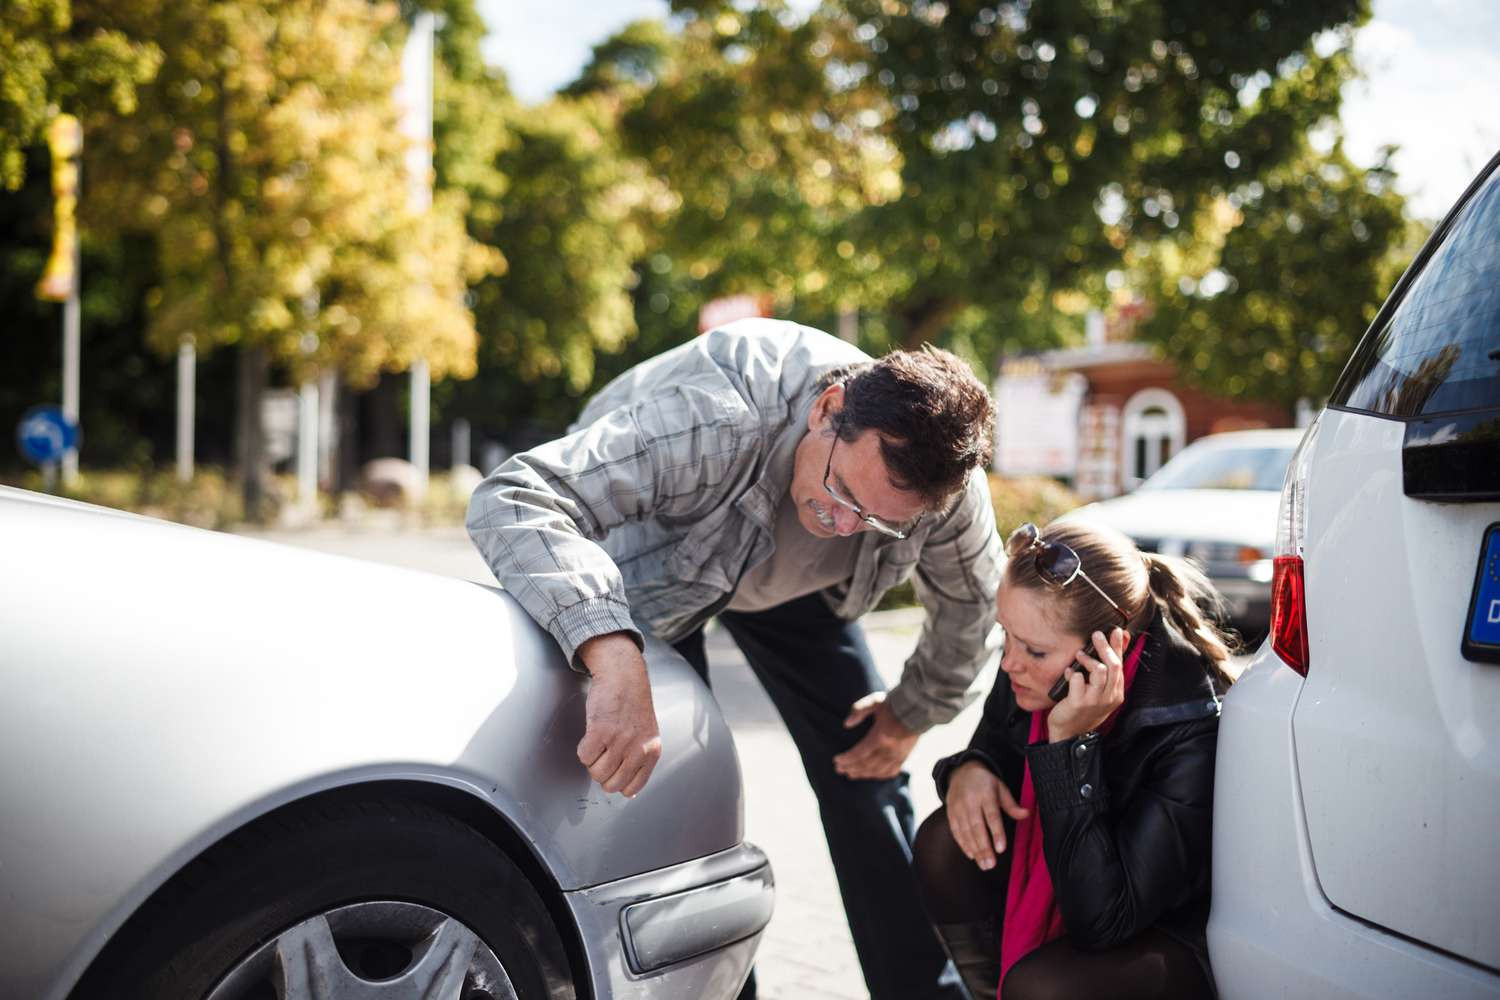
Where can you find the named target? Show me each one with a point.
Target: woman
(1071, 856)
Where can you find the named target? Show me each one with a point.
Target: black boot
(974, 948)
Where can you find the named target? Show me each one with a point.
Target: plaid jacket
(659, 499)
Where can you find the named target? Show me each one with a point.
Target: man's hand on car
(881, 751)
(621, 743)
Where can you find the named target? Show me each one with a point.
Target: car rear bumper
(1272, 932)
(690, 930)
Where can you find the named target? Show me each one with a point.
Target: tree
(549, 190)
(56, 55)
(267, 161)
(1021, 124)
(1279, 279)
(569, 228)
(764, 155)
(955, 166)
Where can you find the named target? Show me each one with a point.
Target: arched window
(1153, 430)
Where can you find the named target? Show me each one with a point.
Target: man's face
(855, 470)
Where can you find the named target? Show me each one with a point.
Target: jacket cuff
(577, 623)
(1067, 775)
(943, 770)
(916, 712)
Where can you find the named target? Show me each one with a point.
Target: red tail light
(1289, 613)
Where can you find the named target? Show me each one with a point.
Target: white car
(1357, 803)
(1214, 502)
(233, 770)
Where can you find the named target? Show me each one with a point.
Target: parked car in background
(1358, 786)
(1214, 502)
(231, 769)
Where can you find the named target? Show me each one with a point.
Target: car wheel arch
(457, 803)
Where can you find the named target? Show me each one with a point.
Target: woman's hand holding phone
(975, 800)
(1096, 687)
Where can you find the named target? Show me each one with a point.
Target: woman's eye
(1035, 654)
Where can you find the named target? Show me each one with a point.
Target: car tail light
(1288, 589)
(1289, 613)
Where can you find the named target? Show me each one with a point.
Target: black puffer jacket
(1126, 818)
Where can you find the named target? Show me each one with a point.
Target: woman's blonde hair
(1141, 583)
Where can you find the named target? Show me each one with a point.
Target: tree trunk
(249, 439)
(924, 319)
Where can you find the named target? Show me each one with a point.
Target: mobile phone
(1059, 690)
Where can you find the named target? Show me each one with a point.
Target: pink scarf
(1031, 915)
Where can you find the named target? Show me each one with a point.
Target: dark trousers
(968, 906)
(815, 666)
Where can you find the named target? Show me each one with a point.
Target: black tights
(959, 895)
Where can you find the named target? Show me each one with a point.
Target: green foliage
(266, 159)
(1014, 122)
(552, 193)
(1277, 282)
(208, 500)
(964, 173)
(763, 157)
(126, 388)
(1037, 499)
(56, 55)
(948, 168)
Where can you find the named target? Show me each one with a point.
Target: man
(776, 477)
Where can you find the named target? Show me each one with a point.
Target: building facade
(1107, 415)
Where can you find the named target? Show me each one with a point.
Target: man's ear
(829, 402)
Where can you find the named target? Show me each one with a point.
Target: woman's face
(1036, 651)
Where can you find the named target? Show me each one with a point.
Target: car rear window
(1439, 351)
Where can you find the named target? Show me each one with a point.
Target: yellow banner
(65, 141)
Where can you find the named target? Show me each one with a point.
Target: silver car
(232, 769)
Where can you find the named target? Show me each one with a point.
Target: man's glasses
(1056, 563)
(873, 521)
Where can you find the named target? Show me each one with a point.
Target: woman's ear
(829, 402)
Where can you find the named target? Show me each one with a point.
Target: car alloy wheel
(385, 950)
(353, 896)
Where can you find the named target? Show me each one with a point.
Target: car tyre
(289, 877)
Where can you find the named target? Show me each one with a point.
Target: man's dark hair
(934, 418)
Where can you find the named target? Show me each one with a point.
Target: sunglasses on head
(1057, 564)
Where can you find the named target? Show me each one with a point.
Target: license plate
(1482, 631)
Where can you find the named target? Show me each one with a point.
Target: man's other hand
(621, 743)
(881, 751)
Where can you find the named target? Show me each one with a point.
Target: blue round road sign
(45, 435)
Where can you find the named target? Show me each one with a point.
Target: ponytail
(1190, 605)
(1142, 583)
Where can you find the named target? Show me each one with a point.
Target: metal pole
(421, 419)
(460, 442)
(307, 445)
(327, 429)
(187, 363)
(416, 100)
(72, 349)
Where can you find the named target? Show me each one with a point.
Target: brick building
(1106, 415)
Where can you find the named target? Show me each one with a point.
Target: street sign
(45, 435)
